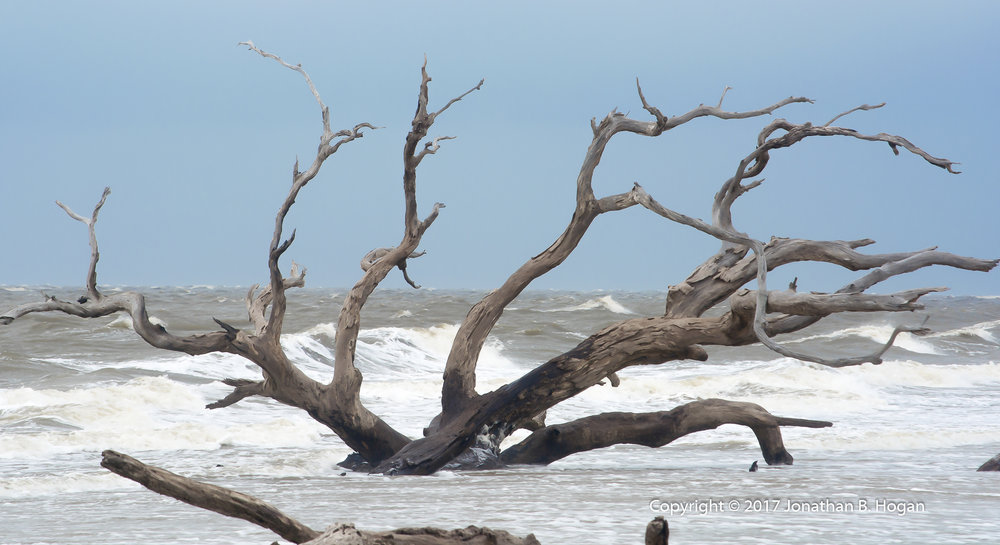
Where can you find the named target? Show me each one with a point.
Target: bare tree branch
(356, 425)
(753, 164)
(243, 389)
(95, 255)
(96, 305)
(299, 180)
(863, 107)
(459, 376)
(298, 68)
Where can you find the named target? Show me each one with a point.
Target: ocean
(898, 466)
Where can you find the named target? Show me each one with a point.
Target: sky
(197, 136)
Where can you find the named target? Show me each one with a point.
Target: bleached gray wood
(459, 386)
(993, 464)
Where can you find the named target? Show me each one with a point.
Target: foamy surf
(67, 397)
(149, 413)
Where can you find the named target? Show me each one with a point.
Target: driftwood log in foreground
(208, 496)
(236, 504)
(469, 418)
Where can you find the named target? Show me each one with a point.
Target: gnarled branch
(299, 180)
(459, 376)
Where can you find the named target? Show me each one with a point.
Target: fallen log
(243, 506)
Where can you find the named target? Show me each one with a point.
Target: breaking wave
(606, 302)
(981, 330)
(149, 413)
(879, 334)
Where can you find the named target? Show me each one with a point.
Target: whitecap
(606, 302)
(124, 321)
(327, 329)
(397, 352)
(981, 330)
(877, 333)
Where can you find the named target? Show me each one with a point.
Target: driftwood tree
(471, 426)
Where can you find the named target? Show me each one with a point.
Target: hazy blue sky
(197, 136)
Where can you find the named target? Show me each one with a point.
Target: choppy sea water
(897, 467)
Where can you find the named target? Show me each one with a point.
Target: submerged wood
(347, 534)
(657, 532)
(993, 464)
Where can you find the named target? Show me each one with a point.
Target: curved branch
(298, 68)
(863, 107)
(639, 341)
(299, 180)
(459, 376)
(715, 280)
(654, 430)
(134, 304)
(754, 163)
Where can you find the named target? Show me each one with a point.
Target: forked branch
(299, 180)
(459, 377)
(95, 255)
